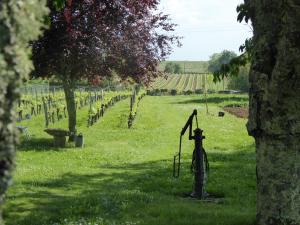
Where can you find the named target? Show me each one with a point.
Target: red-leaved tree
(93, 38)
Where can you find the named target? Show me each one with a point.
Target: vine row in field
(54, 107)
(99, 105)
(135, 99)
(186, 83)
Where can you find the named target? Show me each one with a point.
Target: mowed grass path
(124, 176)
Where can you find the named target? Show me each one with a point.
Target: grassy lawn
(124, 176)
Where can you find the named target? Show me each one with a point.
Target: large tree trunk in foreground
(8, 133)
(69, 89)
(17, 28)
(274, 119)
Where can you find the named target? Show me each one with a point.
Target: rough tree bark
(20, 22)
(274, 119)
(8, 134)
(69, 89)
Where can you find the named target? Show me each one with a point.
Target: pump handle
(189, 123)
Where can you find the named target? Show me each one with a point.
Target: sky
(207, 27)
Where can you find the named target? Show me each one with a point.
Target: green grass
(125, 176)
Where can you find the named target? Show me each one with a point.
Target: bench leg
(59, 141)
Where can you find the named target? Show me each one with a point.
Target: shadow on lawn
(38, 144)
(214, 99)
(131, 192)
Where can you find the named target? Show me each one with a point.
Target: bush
(177, 68)
(189, 92)
(199, 91)
(154, 92)
(173, 68)
(241, 82)
(173, 92)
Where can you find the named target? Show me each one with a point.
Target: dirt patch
(238, 111)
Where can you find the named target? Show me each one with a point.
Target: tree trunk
(274, 119)
(69, 89)
(8, 133)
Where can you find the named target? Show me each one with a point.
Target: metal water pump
(199, 164)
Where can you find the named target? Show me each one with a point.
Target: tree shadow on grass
(215, 100)
(142, 193)
(38, 144)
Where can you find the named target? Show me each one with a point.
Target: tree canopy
(94, 39)
(173, 68)
(218, 60)
(87, 39)
(233, 66)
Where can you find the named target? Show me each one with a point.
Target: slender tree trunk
(274, 119)
(69, 89)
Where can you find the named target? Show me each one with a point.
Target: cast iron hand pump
(200, 164)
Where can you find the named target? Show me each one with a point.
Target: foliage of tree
(169, 68)
(90, 39)
(20, 22)
(177, 68)
(241, 81)
(232, 68)
(173, 68)
(274, 117)
(218, 60)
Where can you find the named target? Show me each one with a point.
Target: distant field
(187, 82)
(189, 66)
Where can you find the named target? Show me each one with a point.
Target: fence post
(46, 112)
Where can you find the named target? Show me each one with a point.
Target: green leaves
(59, 4)
(173, 68)
(218, 64)
(243, 11)
(92, 39)
(232, 66)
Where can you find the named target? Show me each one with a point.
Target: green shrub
(173, 68)
(240, 82)
(173, 92)
(189, 92)
(154, 92)
(199, 91)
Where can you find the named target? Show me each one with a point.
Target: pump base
(208, 197)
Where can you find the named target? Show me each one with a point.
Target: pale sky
(207, 27)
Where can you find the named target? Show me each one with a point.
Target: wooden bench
(59, 136)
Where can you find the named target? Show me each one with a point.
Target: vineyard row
(187, 83)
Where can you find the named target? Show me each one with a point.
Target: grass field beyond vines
(125, 176)
(188, 66)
